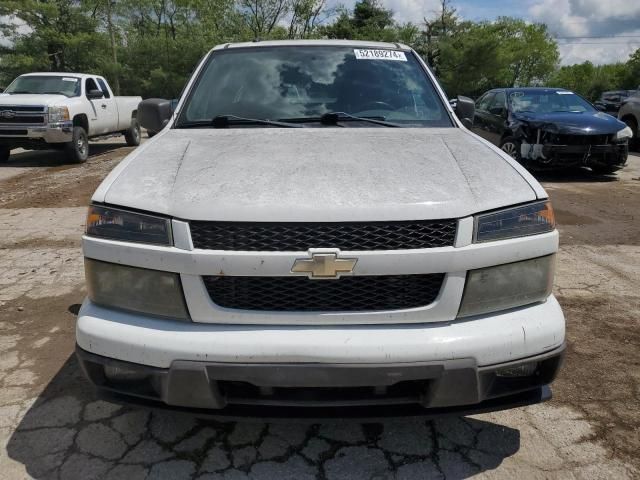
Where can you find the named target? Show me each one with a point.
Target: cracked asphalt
(52, 426)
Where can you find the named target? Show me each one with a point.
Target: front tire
(132, 135)
(511, 146)
(78, 148)
(5, 153)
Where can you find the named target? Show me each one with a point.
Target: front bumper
(442, 365)
(31, 136)
(612, 154)
(326, 390)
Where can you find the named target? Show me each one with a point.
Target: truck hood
(570, 123)
(316, 174)
(31, 99)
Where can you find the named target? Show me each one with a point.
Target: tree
(436, 29)
(306, 15)
(368, 21)
(262, 16)
(60, 36)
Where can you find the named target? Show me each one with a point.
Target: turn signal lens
(521, 221)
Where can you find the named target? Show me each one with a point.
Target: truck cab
(63, 111)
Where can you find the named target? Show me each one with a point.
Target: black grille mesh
(347, 294)
(23, 119)
(303, 236)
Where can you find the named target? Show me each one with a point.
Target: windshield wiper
(332, 118)
(18, 92)
(224, 121)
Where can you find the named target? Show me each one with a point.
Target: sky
(601, 31)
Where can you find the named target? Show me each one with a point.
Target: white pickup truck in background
(63, 111)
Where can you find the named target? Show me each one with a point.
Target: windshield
(297, 83)
(56, 85)
(560, 101)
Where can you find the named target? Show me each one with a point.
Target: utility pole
(112, 37)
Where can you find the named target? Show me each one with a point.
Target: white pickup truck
(314, 229)
(40, 111)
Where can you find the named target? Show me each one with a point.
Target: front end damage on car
(549, 144)
(552, 144)
(546, 144)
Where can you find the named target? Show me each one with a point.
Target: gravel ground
(52, 426)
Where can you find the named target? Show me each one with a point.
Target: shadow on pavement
(53, 158)
(69, 434)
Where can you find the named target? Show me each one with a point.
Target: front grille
(347, 294)
(22, 108)
(243, 393)
(272, 237)
(23, 119)
(23, 115)
(582, 139)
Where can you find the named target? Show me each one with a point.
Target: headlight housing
(625, 134)
(507, 286)
(136, 289)
(58, 114)
(521, 221)
(116, 224)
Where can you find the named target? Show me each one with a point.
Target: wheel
(151, 133)
(605, 169)
(132, 135)
(78, 148)
(511, 146)
(5, 153)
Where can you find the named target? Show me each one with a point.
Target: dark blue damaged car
(547, 128)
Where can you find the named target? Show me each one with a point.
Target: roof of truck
(60, 74)
(300, 43)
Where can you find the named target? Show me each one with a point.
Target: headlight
(127, 226)
(514, 222)
(625, 134)
(137, 289)
(507, 286)
(58, 114)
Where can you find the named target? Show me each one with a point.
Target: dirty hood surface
(315, 174)
(571, 123)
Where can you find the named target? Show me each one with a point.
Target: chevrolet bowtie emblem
(324, 265)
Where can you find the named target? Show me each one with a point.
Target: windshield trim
(204, 64)
(44, 76)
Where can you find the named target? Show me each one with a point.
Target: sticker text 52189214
(368, 54)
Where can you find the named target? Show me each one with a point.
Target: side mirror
(155, 113)
(465, 110)
(94, 94)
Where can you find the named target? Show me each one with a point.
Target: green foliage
(368, 21)
(591, 80)
(508, 52)
(63, 37)
(150, 47)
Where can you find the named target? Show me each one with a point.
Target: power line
(596, 36)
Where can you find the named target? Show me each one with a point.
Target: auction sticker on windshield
(368, 54)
